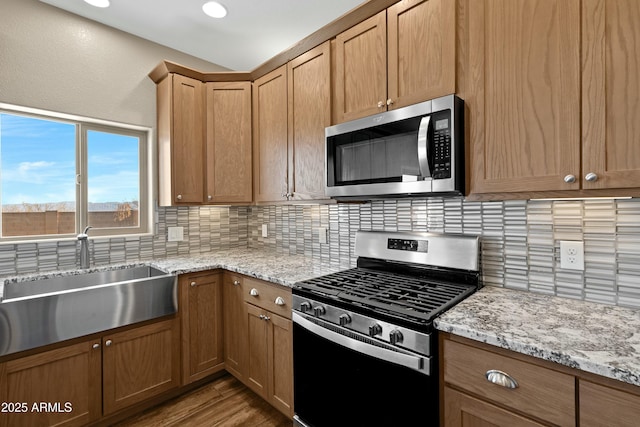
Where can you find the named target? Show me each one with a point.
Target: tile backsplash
(520, 249)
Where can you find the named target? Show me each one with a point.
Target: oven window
(334, 385)
(384, 153)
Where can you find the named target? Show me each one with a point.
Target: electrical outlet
(265, 230)
(322, 235)
(572, 255)
(175, 234)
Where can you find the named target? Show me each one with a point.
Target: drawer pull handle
(279, 301)
(501, 378)
(253, 292)
(236, 283)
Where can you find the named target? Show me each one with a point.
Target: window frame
(146, 169)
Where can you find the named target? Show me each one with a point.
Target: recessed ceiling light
(214, 9)
(98, 3)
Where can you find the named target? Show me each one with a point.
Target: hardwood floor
(222, 403)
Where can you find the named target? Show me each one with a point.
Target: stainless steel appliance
(364, 347)
(415, 150)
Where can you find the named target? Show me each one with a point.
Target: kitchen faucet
(84, 248)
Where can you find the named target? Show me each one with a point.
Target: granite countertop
(596, 338)
(280, 268)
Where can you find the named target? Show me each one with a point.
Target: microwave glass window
(377, 154)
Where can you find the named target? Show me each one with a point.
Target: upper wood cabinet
(610, 88)
(181, 149)
(270, 159)
(228, 142)
(540, 119)
(396, 58)
(204, 141)
(309, 95)
(291, 108)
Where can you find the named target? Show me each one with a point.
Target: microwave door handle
(423, 147)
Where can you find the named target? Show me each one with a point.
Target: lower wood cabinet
(201, 321)
(78, 384)
(527, 391)
(603, 405)
(68, 378)
(140, 363)
(235, 326)
(269, 370)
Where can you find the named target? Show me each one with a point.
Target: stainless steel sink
(45, 311)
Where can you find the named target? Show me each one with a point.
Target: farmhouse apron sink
(45, 311)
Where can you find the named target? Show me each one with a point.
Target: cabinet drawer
(542, 393)
(276, 299)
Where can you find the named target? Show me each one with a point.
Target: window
(59, 174)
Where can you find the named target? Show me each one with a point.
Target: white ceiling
(252, 32)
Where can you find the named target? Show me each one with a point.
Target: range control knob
(344, 319)
(375, 329)
(305, 306)
(319, 310)
(395, 337)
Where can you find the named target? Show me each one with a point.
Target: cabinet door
(361, 69)
(235, 326)
(187, 143)
(281, 363)
(309, 78)
(461, 410)
(67, 379)
(610, 87)
(421, 50)
(229, 175)
(270, 136)
(258, 350)
(201, 318)
(140, 363)
(524, 94)
(604, 406)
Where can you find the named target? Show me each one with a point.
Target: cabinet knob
(380, 104)
(236, 283)
(501, 378)
(179, 197)
(209, 197)
(279, 301)
(253, 292)
(570, 179)
(389, 101)
(108, 343)
(194, 284)
(96, 346)
(591, 177)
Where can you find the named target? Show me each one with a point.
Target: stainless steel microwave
(415, 150)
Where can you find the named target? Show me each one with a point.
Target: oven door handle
(417, 363)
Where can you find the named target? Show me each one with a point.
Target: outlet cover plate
(175, 234)
(265, 230)
(572, 255)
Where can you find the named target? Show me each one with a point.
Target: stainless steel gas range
(364, 347)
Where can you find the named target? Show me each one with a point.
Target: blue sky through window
(37, 163)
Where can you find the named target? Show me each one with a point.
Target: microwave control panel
(441, 166)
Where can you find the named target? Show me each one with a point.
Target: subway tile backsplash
(520, 247)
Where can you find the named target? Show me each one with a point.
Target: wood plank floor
(222, 403)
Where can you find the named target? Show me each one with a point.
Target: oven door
(341, 380)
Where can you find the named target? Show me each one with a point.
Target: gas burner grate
(399, 294)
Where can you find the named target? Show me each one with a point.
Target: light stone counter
(268, 265)
(596, 338)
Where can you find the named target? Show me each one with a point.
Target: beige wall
(54, 60)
